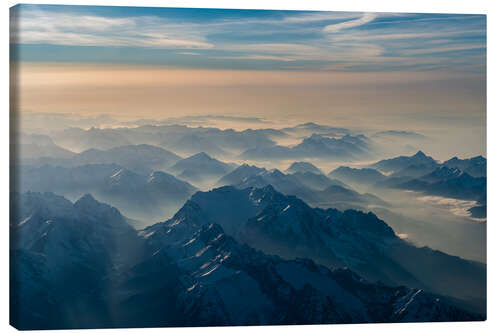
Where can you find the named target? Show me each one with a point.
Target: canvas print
(214, 167)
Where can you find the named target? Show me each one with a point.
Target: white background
(491, 8)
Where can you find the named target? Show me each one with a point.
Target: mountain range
(397, 164)
(80, 265)
(30, 147)
(451, 183)
(316, 189)
(143, 197)
(303, 167)
(179, 138)
(346, 147)
(420, 164)
(201, 169)
(357, 176)
(391, 134)
(286, 226)
(475, 166)
(142, 158)
(423, 174)
(307, 129)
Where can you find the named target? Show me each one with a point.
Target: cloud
(42, 27)
(389, 35)
(316, 17)
(456, 206)
(446, 49)
(258, 57)
(301, 52)
(86, 39)
(41, 20)
(273, 47)
(189, 53)
(315, 41)
(366, 18)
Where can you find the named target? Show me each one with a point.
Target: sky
(249, 39)
(423, 72)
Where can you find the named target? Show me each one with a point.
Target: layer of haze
(449, 107)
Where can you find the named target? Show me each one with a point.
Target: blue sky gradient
(249, 39)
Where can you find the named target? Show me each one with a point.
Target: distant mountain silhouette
(303, 167)
(451, 183)
(475, 166)
(347, 147)
(178, 138)
(201, 168)
(390, 134)
(317, 181)
(399, 163)
(30, 147)
(307, 129)
(139, 158)
(315, 189)
(239, 174)
(421, 173)
(357, 176)
(145, 198)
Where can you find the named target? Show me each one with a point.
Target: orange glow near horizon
(132, 92)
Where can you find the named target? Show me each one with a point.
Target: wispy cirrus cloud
(86, 39)
(259, 57)
(273, 47)
(189, 53)
(319, 16)
(446, 49)
(254, 39)
(381, 35)
(366, 18)
(42, 27)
